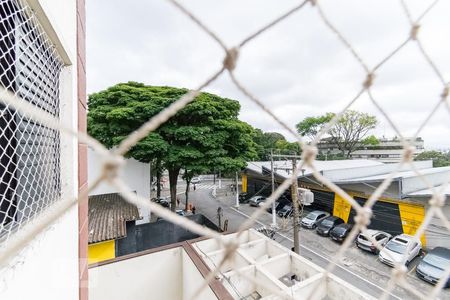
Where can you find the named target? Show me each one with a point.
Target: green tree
(349, 131)
(311, 126)
(206, 134)
(285, 147)
(371, 140)
(271, 141)
(439, 159)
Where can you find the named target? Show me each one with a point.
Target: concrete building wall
(135, 174)
(49, 267)
(168, 274)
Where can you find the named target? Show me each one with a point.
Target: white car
(314, 217)
(397, 247)
(195, 180)
(365, 244)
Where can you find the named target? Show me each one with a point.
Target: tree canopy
(348, 132)
(311, 126)
(206, 134)
(273, 141)
(439, 159)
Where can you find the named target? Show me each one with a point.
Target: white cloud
(297, 68)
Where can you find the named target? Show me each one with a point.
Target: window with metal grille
(30, 67)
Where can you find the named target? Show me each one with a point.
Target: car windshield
(327, 222)
(437, 261)
(396, 247)
(362, 237)
(311, 216)
(339, 230)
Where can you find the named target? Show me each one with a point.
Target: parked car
(243, 198)
(364, 243)
(340, 232)
(433, 265)
(285, 212)
(324, 227)
(311, 219)
(195, 180)
(180, 212)
(165, 202)
(278, 206)
(255, 200)
(397, 247)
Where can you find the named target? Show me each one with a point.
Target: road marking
(320, 255)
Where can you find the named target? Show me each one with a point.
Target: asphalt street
(357, 267)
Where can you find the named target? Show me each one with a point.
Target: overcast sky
(298, 68)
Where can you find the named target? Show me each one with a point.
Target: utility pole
(237, 190)
(294, 192)
(295, 200)
(274, 213)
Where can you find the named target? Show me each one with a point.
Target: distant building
(114, 230)
(135, 174)
(387, 151)
(109, 216)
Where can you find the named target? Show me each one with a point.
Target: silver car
(364, 243)
(256, 200)
(311, 219)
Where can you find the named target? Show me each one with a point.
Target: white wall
(168, 274)
(135, 174)
(48, 266)
(153, 276)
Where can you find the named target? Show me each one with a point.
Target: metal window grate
(30, 68)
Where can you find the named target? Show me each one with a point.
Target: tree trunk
(173, 177)
(187, 194)
(348, 154)
(158, 178)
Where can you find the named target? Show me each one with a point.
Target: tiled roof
(107, 216)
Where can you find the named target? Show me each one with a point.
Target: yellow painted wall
(412, 216)
(341, 208)
(244, 183)
(101, 251)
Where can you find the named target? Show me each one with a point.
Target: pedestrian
(178, 201)
(195, 187)
(193, 210)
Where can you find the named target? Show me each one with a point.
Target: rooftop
(107, 216)
(261, 269)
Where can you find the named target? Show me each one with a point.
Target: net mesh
(29, 150)
(30, 130)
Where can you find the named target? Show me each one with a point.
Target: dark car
(243, 198)
(278, 206)
(164, 202)
(324, 227)
(433, 265)
(340, 232)
(285, 212)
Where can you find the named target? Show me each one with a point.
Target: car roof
(331, 218)
(317, 212)
(441, 251)
(344, 225)
(403, 238)
(373, 232)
